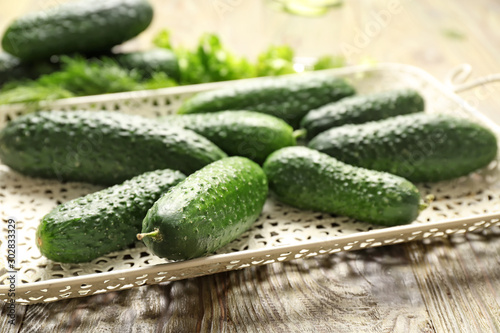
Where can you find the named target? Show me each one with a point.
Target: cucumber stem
(153, 234)
(299, 134)
(426, 202)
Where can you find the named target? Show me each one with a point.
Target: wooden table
(446, 285)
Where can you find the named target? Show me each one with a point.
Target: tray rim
(338, 241)
(214, 259)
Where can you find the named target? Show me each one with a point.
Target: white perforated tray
(282, 233)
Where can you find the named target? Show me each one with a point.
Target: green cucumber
(150, 62)
(84, 26)
(420, 147)
(308, 179)
(288, 97)
(207, 210)
(86, 228)
(242, 133)
(100, 147)
(361, 109)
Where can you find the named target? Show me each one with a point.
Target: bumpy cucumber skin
(104, 148)
(361, 109)
(288, 98)
(242, 133)
(207, 210)
(308, 179)
(420, 147)
(85, 26)
(88, 227)
(152, 61)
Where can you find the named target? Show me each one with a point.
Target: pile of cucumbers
(90, 28)
(189, 183)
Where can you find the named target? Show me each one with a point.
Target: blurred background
(433, 35)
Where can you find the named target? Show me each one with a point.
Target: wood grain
(367, 291)
(460, 281)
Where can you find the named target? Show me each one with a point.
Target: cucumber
(288, 97)
(308, 179)
(361, 109)
(86, 228)
(104, 148)
(152, 61)
(420, 147)
(84, 26)
(207, 210)
(243, 133)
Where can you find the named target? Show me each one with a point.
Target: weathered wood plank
(6, 318)
(367, 291)
(446, 286)
(460, 282)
